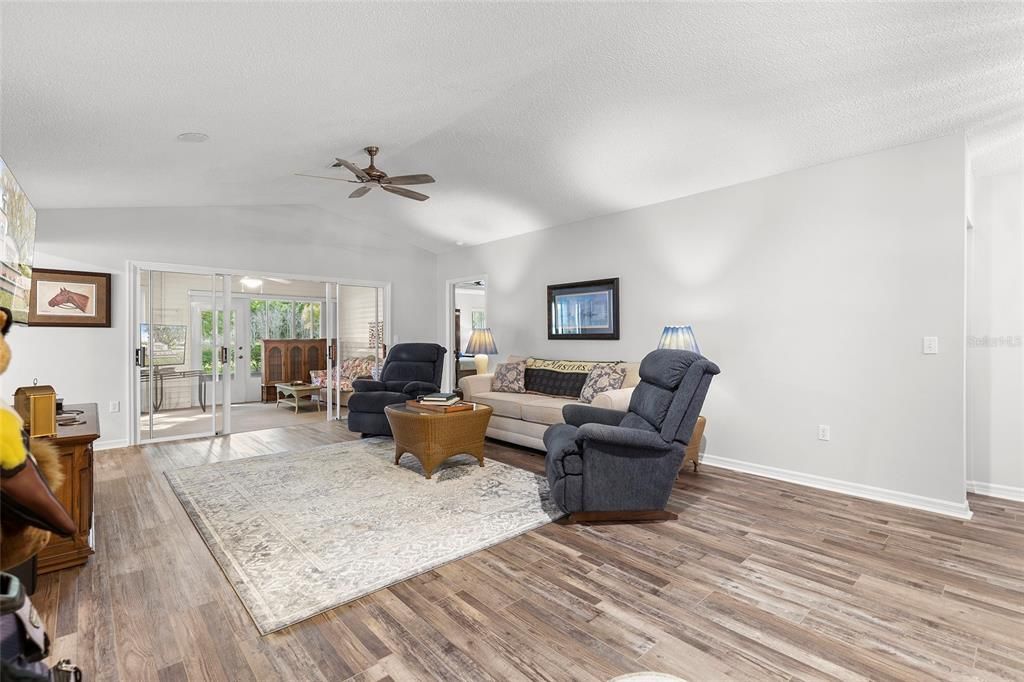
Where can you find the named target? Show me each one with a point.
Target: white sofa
(522, 418)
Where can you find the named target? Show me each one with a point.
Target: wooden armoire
(287, 360)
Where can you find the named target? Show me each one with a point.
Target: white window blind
(362, 315)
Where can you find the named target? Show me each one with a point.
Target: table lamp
(679, 337)
(481, 344)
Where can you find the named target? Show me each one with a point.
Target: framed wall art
(67, 298)
(584, 310)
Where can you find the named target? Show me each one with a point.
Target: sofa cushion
(345, 372)
(509, 377)
(632, 374)
(507, 404)
(355, 368)
(545, 410)
(605, 376)
(564, 378)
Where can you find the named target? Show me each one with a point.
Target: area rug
(298, 533)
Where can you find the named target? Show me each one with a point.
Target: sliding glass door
(355, 339)
(208, 345)
(182, 355)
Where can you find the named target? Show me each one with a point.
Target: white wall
(812, 290)
(995, 337)
(92, 365)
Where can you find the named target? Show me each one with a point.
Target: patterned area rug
(298, 533)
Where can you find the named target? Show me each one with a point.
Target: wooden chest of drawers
(288, 360)
(75, 446)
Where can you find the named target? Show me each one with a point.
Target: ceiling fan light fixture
(193, 137)
(251, 282)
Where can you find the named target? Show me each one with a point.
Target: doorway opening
(219, 353)
(467, 305)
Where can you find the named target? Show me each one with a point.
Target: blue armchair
(605, 465)
(410, 370)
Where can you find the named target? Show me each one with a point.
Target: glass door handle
(223, 355)
(140, 357)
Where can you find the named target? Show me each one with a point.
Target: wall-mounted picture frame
(69, 298)
(584, 310)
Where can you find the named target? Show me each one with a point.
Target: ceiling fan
(371, 177)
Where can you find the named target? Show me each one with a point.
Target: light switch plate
(824, 432)
(930, 345)
(115, 406)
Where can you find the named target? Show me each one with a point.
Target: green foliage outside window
(206, 337)
(279, 319)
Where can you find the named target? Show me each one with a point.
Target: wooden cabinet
(74, 443)
(286, 360)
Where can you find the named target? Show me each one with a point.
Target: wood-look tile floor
(757, 580)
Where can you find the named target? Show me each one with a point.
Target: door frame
(447, 329)
(132, 268)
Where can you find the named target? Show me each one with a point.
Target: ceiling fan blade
(279, 280)
(332, 173)
(360, 191)
(356, 170)
(403, 192)
(420, 179)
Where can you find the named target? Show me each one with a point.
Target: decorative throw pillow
(509, 377)
(562, 378)
(604, 377)
(318, 377)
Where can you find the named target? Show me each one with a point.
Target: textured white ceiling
(529, 115)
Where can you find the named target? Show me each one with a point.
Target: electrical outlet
(930, 345)
(824, 432)
(115, 406)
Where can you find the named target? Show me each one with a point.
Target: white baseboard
(1006, 492)
(114, 444)
(929, 504)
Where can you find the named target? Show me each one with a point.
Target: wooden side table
(432, 437)
(291, 394)
(693, 449)
(74, 443)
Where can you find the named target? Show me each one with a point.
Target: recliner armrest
(364, 385)
(638, 442)
(418, 388)
(578, 414)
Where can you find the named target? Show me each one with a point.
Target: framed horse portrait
(66, 298)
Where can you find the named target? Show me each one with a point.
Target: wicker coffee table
(433, 437)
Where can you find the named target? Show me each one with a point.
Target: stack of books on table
(441, 402)
(439, 399)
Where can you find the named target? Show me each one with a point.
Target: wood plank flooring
(757, 580)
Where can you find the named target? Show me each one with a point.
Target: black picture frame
(599, 321)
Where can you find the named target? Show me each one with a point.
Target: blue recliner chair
(410, 370)
(606, 465)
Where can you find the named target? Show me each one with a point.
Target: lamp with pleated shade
(679, 337)
(481, 344)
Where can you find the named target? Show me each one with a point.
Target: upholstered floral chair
(345, 372)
